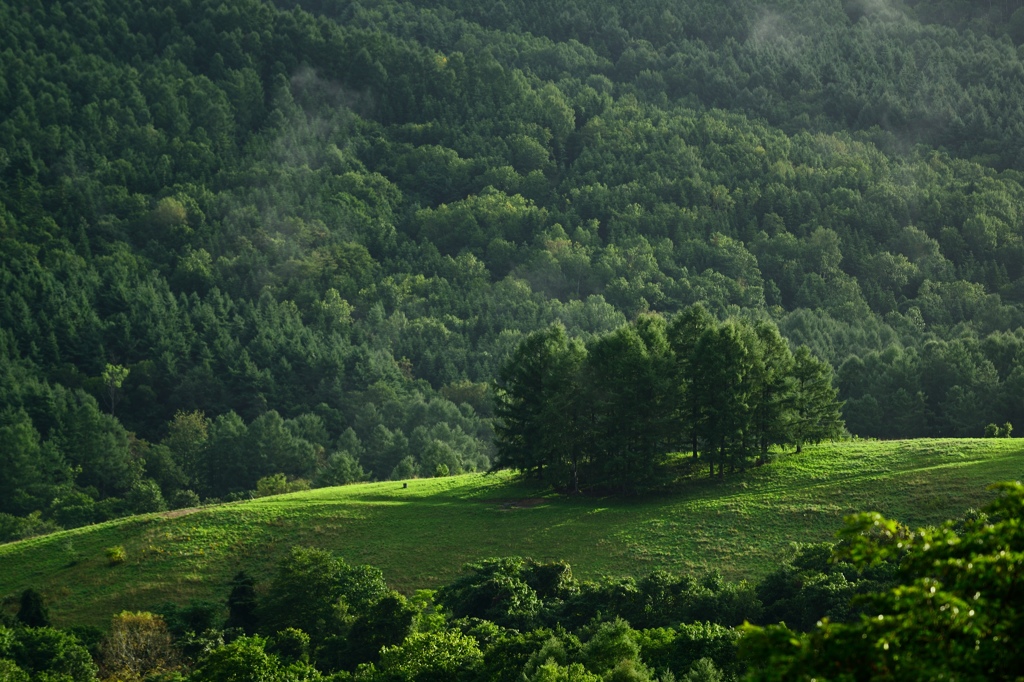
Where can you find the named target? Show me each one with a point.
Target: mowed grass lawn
(421, 535)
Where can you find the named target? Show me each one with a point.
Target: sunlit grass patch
(421, 535)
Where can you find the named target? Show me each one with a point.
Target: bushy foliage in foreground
(955, 612)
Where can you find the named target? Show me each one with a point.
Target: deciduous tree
(138, 644)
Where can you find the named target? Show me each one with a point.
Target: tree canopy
(303, 238)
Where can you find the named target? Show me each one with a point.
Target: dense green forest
(296, 242)
(885, 602)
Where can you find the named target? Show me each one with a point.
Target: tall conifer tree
(815, 415)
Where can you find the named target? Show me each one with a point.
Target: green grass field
(421, 535)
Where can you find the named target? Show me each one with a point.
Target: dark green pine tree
(570, 416)
(683, 335)
(32, 610)
(723, 387)
(628, 400)
(772, 389)
(662, 427)
(242, 604)
(527, 394)
(815, 412)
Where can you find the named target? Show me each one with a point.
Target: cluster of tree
(87, 468)
(884, 601)
(330, 225)
(941, 388)
(609, 413)
(321, 618)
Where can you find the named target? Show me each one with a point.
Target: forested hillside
(243, 238)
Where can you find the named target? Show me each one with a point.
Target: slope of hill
(421, 535)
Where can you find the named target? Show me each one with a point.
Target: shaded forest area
(246, 239)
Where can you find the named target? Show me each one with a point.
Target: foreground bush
(956, 613)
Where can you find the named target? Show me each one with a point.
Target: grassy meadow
(421, 535)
